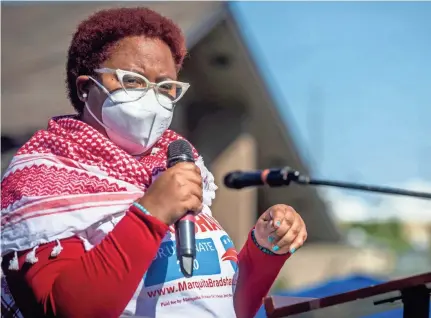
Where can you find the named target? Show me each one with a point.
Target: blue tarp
(338, 286)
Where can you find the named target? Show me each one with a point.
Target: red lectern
(413, 293)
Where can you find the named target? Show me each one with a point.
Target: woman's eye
(166, 86)
(134, 81)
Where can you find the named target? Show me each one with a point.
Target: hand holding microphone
(175, 192)
(175, 197)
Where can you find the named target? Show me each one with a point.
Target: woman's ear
(83, 87)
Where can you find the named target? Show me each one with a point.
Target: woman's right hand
(175, 192)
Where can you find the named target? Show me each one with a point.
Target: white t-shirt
(165, 292)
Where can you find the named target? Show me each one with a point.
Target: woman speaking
(88, 204)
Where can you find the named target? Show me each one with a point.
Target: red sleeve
(257, 273)
(98, 283)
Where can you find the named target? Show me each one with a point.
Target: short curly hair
(96, 35)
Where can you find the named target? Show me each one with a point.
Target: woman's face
(151, 58)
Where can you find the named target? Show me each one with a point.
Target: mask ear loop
(95, 117)
(109, 96)
(103, 88)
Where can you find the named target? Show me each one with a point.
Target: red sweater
(100, 283)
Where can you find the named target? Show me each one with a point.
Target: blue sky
(353, 82)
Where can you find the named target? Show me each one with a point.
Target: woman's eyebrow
(165, 78)
(134, 70)
(158, 79)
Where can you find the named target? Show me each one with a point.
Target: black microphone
(286, 175)
(181, 151)
(271, 177)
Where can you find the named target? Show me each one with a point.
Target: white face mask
(135, 125)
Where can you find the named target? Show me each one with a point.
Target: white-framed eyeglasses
(167, 92)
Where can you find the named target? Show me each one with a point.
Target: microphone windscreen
(179, 151)
(239, 179)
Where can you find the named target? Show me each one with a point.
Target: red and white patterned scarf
(69, 177)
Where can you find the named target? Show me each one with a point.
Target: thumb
(273, 217)
(277, 216)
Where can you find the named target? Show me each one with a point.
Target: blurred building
(227, 113)
(418, 234)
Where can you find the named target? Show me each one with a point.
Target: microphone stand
(290, 175)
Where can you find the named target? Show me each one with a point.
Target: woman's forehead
(142, 54)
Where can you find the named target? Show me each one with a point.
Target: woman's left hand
(280, 229)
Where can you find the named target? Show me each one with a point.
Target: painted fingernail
(275, 248)
(277, 224)
(292, 250)
(270, 239)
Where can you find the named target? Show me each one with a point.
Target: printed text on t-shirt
(188, 285)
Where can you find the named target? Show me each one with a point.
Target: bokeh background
(336, 90)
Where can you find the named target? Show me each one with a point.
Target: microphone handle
(186, 243)
(185, 228)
